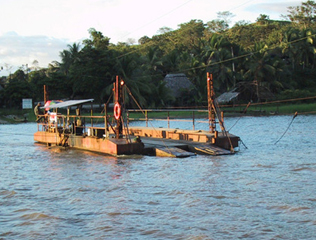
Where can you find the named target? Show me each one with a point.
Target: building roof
(69, 103)
(249, 91)
(227, 97)
(177, 82)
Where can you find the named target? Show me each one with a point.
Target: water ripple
(264, 192)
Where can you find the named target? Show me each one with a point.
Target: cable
(243, 143)
(158, 18)
(295, 115)
(140, 108)
(245, 110)
(241, 5)
(214, 63)
(177, 9)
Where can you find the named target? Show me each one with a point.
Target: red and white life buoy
(117, 111)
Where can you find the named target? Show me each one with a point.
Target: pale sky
(39, 29)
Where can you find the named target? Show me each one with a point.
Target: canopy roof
(69, 103)
(227, 97)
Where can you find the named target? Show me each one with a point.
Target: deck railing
(190, 116)
(73, 123)
(90, 125)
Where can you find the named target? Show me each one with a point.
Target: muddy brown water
(266, 191)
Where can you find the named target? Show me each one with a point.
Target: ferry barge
(116, 137)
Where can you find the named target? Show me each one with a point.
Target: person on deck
(38, 112)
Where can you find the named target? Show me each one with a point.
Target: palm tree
(74, 50)
(306, 48)
(171, 61)
(216, 55)
(289, 48)
(197, 75)
(223, 74)
(128, 68)
(260, 67)
(69, 57)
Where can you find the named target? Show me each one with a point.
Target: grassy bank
(256, 110)
(268, 109)
(16, 115)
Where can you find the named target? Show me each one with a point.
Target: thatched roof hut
(177, 82)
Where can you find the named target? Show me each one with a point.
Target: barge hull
(191, 136)
(110, 146)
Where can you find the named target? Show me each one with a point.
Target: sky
(36, 30)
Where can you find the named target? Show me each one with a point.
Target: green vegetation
(268, 109)
(277, 55)
(257, 109)
(16, 115)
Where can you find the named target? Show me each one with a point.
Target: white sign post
(27, 103)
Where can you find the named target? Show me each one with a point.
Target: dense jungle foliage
(279, 55)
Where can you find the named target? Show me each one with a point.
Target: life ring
(117, 111)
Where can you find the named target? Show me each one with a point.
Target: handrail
(70, 120)
(168, 118)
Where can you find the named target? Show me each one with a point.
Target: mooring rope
(243, 143)
(245, 110)
(295, 115)
(221, 122)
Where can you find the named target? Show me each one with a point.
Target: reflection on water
(264, 192)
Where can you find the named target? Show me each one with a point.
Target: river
(264, 191)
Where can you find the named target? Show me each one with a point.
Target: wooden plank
(158, 142)
(208, 149)
(194, 147)
(172, 152)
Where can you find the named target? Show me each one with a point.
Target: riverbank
(8, 116)
(12, 119)
(3, 121)
(255, 109)
(16, 115)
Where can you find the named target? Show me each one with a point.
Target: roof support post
(118, 99)
(45, 94)
(210, 102)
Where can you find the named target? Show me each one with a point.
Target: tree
(92, 73)
(143, 40)
(196, 73)
(189, 36)
(128, 68)
(306, 49)
(260, 67)
(263, 19)
(220, 24)
(304, 15)
(15, 90)
(35, 65)
(225, 16)
(171, 61)
(289, 49)
(216, 26)
(97, 40)
(193, 49)
(69, 57)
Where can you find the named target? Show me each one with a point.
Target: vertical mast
(210, 102)
(45, 94)
(118, 101)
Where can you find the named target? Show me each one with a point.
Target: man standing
(38, 112)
